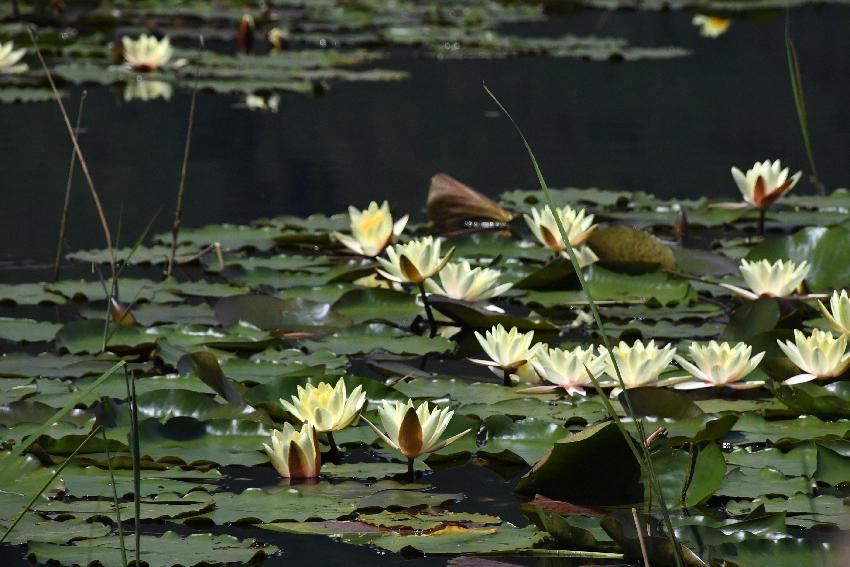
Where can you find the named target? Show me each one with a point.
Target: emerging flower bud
(838, 314)
(295, 454)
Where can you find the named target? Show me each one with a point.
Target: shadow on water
(671, 127)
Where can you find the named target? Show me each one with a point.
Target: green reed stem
(115, 500)
(134, 446)
(647, 459)
(47, 484)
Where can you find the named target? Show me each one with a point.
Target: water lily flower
(819, 355)
(711, 26)
(764, 183)
(259, 102)
(147, 90)
(326, 407)
(415, 261)
(372, 229)
(719, 364)
(510, 352)
(639, 364)
(779, 279)
(295, 454)
(577, 225)
(414, 431)
(567, 369)
(460, 281)
(9, 57)
(147, 53)
(838, 314)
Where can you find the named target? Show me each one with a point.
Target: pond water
(671, 127)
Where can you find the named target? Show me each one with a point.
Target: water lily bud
(838, 314)
(295, 454)
(718, 365)
(245, 34)
(9, 57)
(372, 229)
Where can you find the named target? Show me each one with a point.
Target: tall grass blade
(800, 104)
(47, 484)
(69, 406)
(63, 223)
(115, 500)
(647, 459)
(134, 446)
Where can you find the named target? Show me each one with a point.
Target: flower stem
(334, 456)
(428, 313)
(410, 474)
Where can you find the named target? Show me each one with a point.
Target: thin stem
(642, 543)
(428, 313)
(47, 484)
(134, 446)
(506, 377)
(689, 474)
(83, 164)
(410, 474)
(178, 211)
(63, 223)
(334, 456)
(115, 499)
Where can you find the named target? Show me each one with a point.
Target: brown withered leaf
(454, 207)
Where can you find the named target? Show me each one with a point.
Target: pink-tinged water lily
(460, 281)
(147, 53)
(820, 355)
(838, 314)
(567, 369)
(640, 365)
(510, 352)
(326, 407)
(9, 58)
(372, 229)
(295, 454)
(414, 431)
(415, 261)
(779, 279)
(719, 365)
(764, 183)
(577, 224)
(711, 26)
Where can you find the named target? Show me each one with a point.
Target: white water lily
(458, 280)
(372, 229)
(577, 225)
(414, 431)
(779, 279)
(764, 183)
(711, 26)
(9, 58)
(819, 355)
(147, 53)
(718, 365)
(269, 103)
(144, 90)
(838, 314)
(326, 408)
(415, 261)
(567, 369)
(295, 454)
(511, 353)
(640, 364)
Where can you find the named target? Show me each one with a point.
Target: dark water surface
(671, 127)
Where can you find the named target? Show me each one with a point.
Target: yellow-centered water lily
(145, 90)
(719, 365)
(567, 369)
(147, 53)
(577, 225)
(778, 279)
(9, 58)
(295, 454)
(510, 352)
(764, 183)
(838, 314)
(372, 229)
(711, 26)
(326, 407)
(415, 261)
(413, 430)
(819, 355)
(640, 365)
(459, 280)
